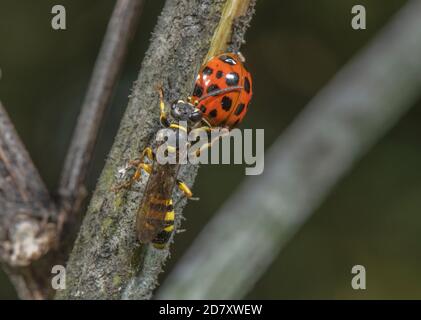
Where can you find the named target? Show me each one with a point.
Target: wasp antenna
(221, 91)
(207, 123)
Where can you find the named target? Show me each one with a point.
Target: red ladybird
(223, 90)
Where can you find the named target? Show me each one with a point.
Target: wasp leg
(148, 153)
(142, 166)
(204, 128)
(163, 115)
(136, 176)
(139, 165)
(185, 190)
(209, 145)
(200, 129)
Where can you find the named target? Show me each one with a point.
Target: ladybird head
(185, 111)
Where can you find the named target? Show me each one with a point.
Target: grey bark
(344, 120)
(107, 261)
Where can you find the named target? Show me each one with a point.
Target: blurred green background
(293, 48)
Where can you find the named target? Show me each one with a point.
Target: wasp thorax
(185, 111)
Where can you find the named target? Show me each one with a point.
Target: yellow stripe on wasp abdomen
(158, 206)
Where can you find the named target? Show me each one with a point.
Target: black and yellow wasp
(155, 217)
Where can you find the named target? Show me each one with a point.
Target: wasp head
(185, 111)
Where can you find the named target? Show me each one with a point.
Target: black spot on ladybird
(213, 113)
(239, 109)
(198, 91)
(219, 74)
(247, 85)
(232, 78)
(226, 103)
(212, 88)
(207, 71)
(228, 60)
(203, 108)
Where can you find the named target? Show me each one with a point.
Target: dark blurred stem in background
(107, 261)
(108, 67)
(342, 122)
(31, 241)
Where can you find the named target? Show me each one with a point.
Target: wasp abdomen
(163, 236)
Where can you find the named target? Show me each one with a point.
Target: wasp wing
(156, 202)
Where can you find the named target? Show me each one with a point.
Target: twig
(31, 241)
(107, 261)
(225, 35)
(107, 68)
(353, 112)
(27, 231)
